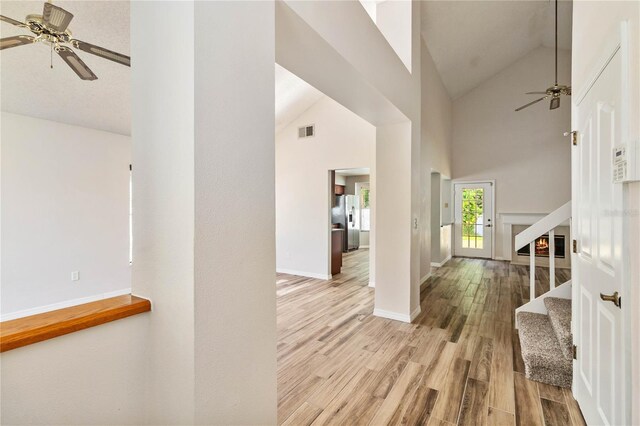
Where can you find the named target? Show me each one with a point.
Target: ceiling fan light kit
(554, 92)
(52, 27)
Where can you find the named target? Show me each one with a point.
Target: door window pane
(472, 218)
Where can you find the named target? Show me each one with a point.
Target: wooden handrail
(36, 328)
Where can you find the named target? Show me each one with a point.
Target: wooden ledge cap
(36, 328)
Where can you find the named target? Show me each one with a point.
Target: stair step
(543, 358)
(560, 317)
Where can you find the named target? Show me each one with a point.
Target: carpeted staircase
(547, 343)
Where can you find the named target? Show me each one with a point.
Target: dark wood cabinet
(336, 250)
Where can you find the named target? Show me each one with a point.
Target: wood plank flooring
(458, 363)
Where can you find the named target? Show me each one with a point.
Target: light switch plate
(75, 276)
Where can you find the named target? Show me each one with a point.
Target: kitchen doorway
(350, 227)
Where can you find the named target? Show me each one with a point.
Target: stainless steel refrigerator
(346, 213)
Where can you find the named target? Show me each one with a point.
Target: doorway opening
(350, 230)
(473, 230)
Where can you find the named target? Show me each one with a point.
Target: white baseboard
(439, 265)
(364, 247)
(304, 274)
(392, 315)
(502, 258)
(372, 284)
(61, 305)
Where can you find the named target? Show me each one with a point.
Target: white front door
(600, 369)
(473, 231)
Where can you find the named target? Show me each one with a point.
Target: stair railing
(547, 224)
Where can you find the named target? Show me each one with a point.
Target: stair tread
(543, 358)
(560, 318)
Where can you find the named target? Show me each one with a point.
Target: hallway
(459, 363)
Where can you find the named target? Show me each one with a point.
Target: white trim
(425, 278)
(441, 264)
(372, 284)
(392, 315)
(61, 305)
(364, 247)
(304, 274)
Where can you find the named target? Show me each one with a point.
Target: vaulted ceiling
(293, 97)
(470, 41)
(30, 87)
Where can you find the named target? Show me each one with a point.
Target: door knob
(615, 298)
(488, 226)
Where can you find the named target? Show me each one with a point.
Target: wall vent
(306, 131)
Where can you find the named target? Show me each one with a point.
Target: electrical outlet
(75, 276)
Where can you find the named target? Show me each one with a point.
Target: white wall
(593, 21)
(436, 135)
(163, 203)
(342, 141)
(235, 298)
(95, 376)
(65, 207)
(436, 187)
(525, 152)
(393, 18)
(204, 221)
(393, 195)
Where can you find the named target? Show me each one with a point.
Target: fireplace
(542, 247)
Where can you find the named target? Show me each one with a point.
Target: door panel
(473, 219)
(599, 384)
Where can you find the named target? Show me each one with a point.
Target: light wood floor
(459, 363)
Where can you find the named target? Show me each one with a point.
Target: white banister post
(532, 270)
(552, 259)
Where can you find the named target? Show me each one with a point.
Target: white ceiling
(470, 41)
(487, 36)
(31, 88)
(293, 97)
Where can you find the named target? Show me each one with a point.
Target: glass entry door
(474, 219)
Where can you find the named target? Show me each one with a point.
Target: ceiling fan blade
(536, 93)
(531, 103)
(76, 64)
(15, 41)
(555, 103)
(13, 21)
(56, 18)
(102, 52)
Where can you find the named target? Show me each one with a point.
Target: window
(472, 217)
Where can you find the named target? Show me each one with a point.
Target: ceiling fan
(52, 28)
(554, 91)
